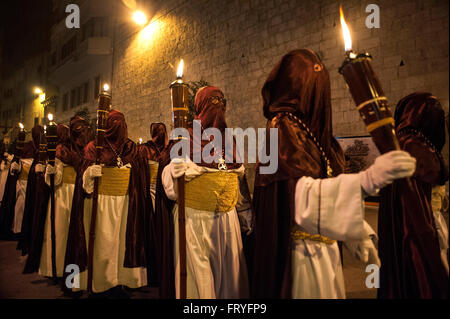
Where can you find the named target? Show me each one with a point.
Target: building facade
(80, 58)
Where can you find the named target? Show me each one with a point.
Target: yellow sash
(24, 172)
(297, 234)
(213, 192)
(153, 172)
(69, 175)
(114, 181)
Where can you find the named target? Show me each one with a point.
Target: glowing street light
(140, 18)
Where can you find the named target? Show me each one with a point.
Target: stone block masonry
(234, 45)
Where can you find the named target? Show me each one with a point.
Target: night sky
(25, 25)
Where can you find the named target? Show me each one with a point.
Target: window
(65, 102)
(96, 87)
(72, 98)
(95, 27)
(85, 92)
(69, 47)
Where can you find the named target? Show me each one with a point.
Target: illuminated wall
(235, 44)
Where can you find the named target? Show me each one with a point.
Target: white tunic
(109, 246)
(437, 195)
(215, 261)
(21, 190)
(63, 205)
(316, 266)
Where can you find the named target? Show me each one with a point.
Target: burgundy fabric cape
(41, 209)
(299, 84)
(138, 209)
(8, 205)
(411, 264)
(164, 232)
(36, 200)
(152, 150)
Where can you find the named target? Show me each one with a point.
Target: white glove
(94, 171)
(39, 168)
(56, 171)
(51, 170)
(15, 167)
(387, 168)
(88, 177)
(364, 250)
(179, 167)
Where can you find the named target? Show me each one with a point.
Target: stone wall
(234, 45)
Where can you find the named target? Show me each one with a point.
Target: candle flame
(50, 116)
(140, 140)
(106, 87)
(21, 126)
(345, 31)
(180, 69)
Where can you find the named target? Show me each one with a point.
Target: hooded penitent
(36, 200)
(408, 246)
(7, 210)
(297, 88)
(210, 108)
(117, 143)
(153, 148)
(72, 141)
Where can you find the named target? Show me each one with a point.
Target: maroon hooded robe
(298, 85)
(210, 115)
(36, 200)
(7, 209)
(137, 222)
(411, 265)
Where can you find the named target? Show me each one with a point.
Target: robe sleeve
(244, 206)
(167, 181)
(331, 207)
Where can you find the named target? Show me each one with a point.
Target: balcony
(90, 52)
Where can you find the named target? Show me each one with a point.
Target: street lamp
(140, 18)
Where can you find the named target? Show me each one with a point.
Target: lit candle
(368, 94)
(20, 142)
(140, 140)
(179, 93)
(52, 140)
(180, 97)
(103, 108)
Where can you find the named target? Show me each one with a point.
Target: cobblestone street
(14, 284)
